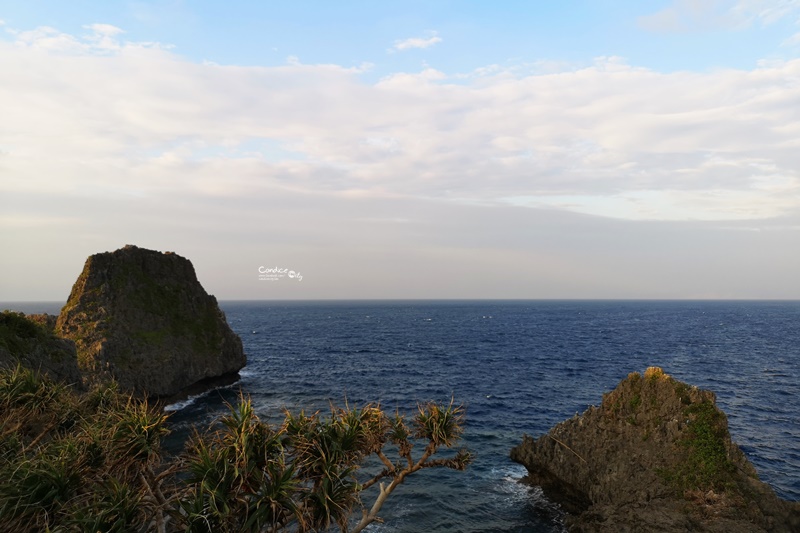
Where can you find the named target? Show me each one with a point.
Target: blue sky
(407, 149)
(474, 34)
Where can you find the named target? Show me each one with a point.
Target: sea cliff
(142, 317)
(656, 455)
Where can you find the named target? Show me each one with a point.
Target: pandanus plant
(78, 461)
(248, 476)
(93, 461)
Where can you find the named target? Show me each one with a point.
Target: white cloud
(765, 11)
(702, 15)
(102, 39)
(515, 181)
(607, 139)
(104, 30)
(417, 42)
(794, 40)
(103, 36)
(688, 15)
(47, 38)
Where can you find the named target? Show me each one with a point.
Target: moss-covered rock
(143, 317)
(656, 455)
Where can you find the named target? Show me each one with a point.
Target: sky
(437, 149)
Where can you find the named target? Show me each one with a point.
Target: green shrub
(94, 461)
(707, 465)
(17, 332)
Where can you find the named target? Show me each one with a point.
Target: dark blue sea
(519, 367)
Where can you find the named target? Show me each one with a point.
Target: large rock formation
(143, 317)
(29, 341)
(655, 456)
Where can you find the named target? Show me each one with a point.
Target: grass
(635, 401)
(707, 466)
(17, 333)
(707, 451)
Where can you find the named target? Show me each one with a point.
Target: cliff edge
(143, 317)
(655, 456)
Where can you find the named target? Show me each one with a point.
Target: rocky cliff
(655, 456)
(142, 317)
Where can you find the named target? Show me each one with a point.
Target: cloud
(103, 36)
(765, 11)
(113, 119)
(704, 15)
(103, 30)
(47, 38)
(794, 40)
(102, 39)
(603, 180)
(692, 15)
(416, 42)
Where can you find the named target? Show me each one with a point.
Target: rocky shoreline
(656, 455)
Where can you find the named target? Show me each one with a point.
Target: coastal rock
(655, 456)
(30, 341)
(142, 317)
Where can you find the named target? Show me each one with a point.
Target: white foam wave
(183, 404)
(244, 373)
(177, 406)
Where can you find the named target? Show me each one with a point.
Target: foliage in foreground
(94, 462)
(16, 331)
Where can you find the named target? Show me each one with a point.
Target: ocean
(518, 367)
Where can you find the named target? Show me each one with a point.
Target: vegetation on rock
(657, 453)
(15, 329)
(707, 465)
(30, 341)
(94, 461)
(142, 317)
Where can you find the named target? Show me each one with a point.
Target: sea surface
(518, 367)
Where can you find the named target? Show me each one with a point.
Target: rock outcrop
(655, 456)
(29, 341)
(142, 317)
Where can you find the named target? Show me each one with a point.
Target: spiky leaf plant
(93, 461)
(244, 475)
(77, 461)
(238, 478)
(438, 424)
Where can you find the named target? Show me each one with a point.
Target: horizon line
(471, 299)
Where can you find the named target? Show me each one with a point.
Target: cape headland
(142, 317)
(656, 455)
(134, 315)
